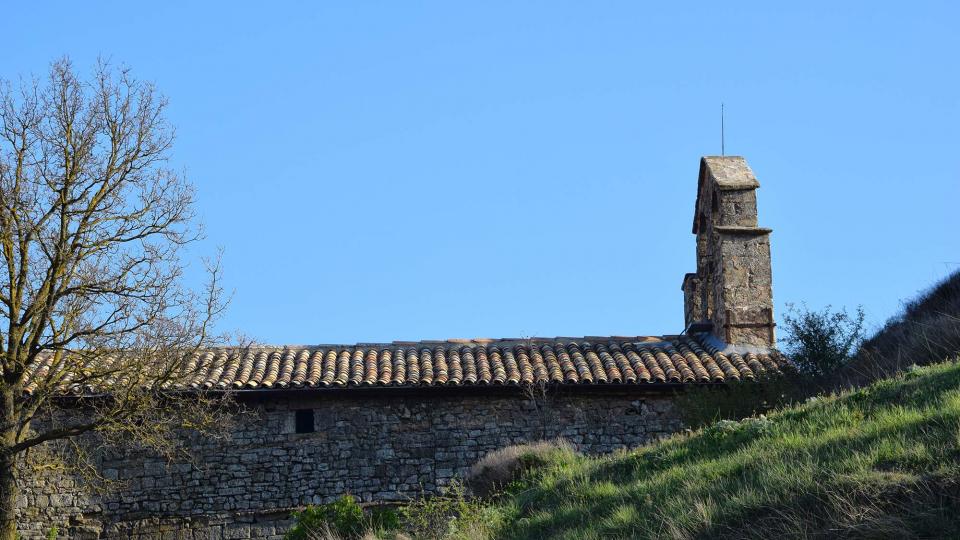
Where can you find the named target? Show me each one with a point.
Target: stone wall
(379, 447)
(743, 289)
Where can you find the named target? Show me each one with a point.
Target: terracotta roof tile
(613, 360)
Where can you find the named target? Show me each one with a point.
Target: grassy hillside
(880, 462)
(927, 330)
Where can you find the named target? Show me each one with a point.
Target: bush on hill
(818, 343)
(821, 342)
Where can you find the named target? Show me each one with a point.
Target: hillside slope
(927, 330)
(881, 462)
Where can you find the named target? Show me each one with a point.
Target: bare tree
(92, 301)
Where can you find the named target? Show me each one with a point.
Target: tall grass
(927, 330)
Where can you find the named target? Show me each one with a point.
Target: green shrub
(703, 406)
(818, 343)
(383, 519)
(344, 517)
(451, 515)
(821, 342)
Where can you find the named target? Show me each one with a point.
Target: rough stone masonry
(387, 422)
(377, 448)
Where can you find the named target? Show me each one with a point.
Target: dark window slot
(303, 419)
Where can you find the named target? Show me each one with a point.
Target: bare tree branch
(92, 222)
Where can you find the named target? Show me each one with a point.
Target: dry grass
(325, 532)
(927, 331)
(499, 468)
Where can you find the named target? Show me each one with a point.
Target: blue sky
(407, 170)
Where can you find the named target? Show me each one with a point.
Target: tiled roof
(566, 361)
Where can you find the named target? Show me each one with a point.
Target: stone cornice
(732, 229)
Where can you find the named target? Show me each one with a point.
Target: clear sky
(408, 170)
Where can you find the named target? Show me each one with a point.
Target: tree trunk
(8, 499)
(8, 461)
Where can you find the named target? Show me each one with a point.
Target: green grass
(881, 462)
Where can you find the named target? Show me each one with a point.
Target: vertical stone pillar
(732, 289)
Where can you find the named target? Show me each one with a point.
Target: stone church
(389, 421)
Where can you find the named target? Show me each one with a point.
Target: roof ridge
(460, 341)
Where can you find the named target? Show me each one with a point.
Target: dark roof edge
(733, 229)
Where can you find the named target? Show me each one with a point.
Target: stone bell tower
(731, 293)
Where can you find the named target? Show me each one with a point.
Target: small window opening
(303, 418)
(715, 203)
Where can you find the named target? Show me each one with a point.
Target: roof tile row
(567, 361)
(681, 359)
